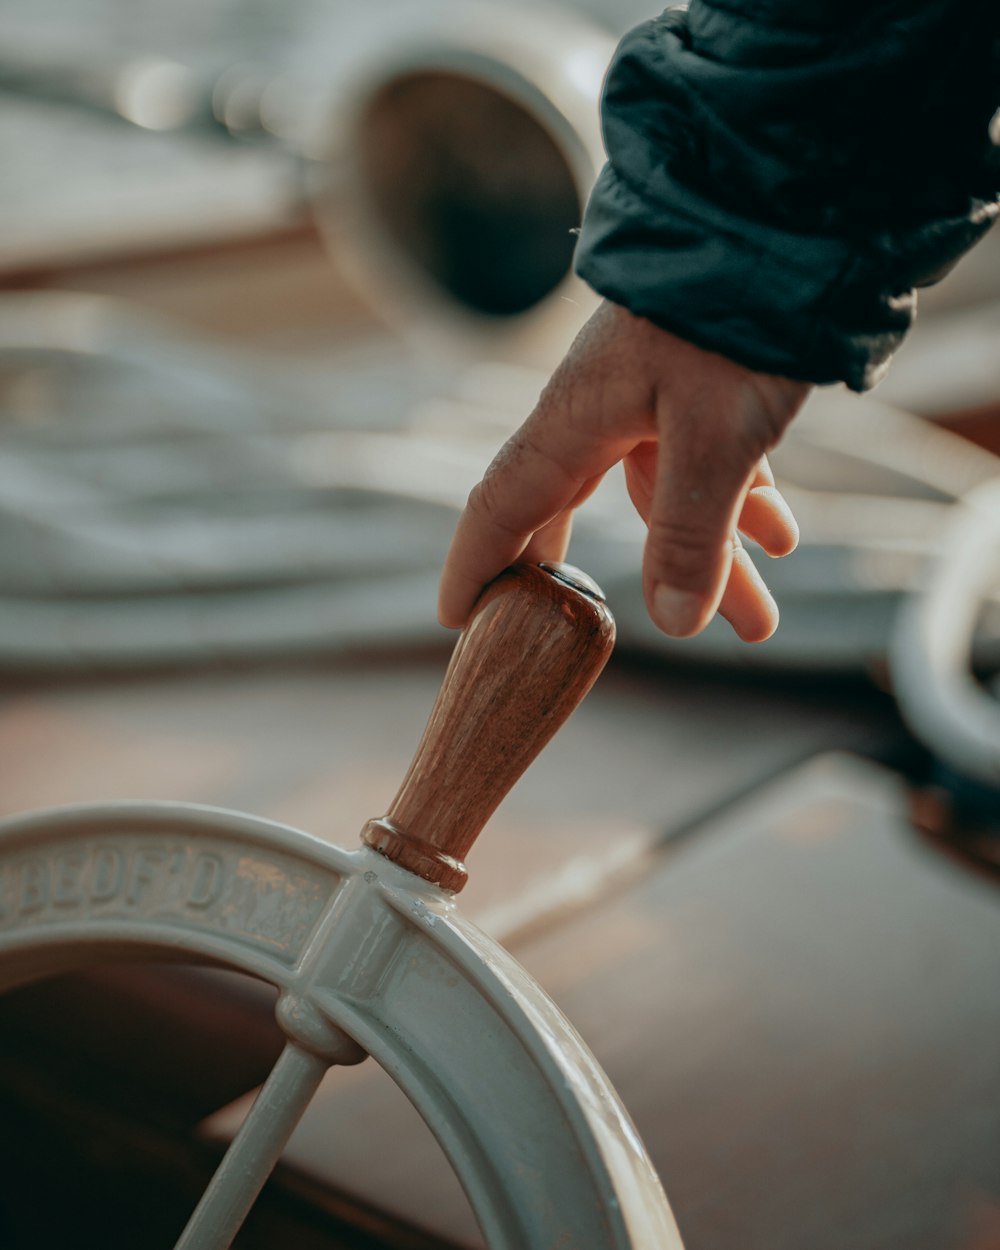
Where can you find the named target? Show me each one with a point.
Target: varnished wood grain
(533, 648)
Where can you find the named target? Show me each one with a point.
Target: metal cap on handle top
(537, 640)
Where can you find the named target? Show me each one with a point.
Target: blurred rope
(161, 502)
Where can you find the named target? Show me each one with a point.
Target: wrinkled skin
(693, 430)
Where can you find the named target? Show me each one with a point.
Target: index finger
(551, 462)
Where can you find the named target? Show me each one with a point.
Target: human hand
(693, 429)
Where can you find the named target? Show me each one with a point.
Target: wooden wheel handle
(536, 642)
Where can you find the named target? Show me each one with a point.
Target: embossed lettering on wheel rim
(367, 958)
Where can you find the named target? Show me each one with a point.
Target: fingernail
(676, 612)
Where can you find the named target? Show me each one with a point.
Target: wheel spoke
(254, 1150)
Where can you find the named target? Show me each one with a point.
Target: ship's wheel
(368, 949)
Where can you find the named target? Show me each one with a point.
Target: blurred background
(277, 276)
(275, 282)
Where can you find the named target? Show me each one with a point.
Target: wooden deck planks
(800, 1007)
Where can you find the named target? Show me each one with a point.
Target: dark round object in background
(472, 188)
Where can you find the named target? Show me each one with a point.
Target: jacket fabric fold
(783, 173)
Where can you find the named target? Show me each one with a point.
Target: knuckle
(572, 402)
(680, 549)
(771, 413)
(484, 504)
(750, 438)
(482, 498)
(595, 402)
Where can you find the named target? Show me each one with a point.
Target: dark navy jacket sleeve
(782, 173)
